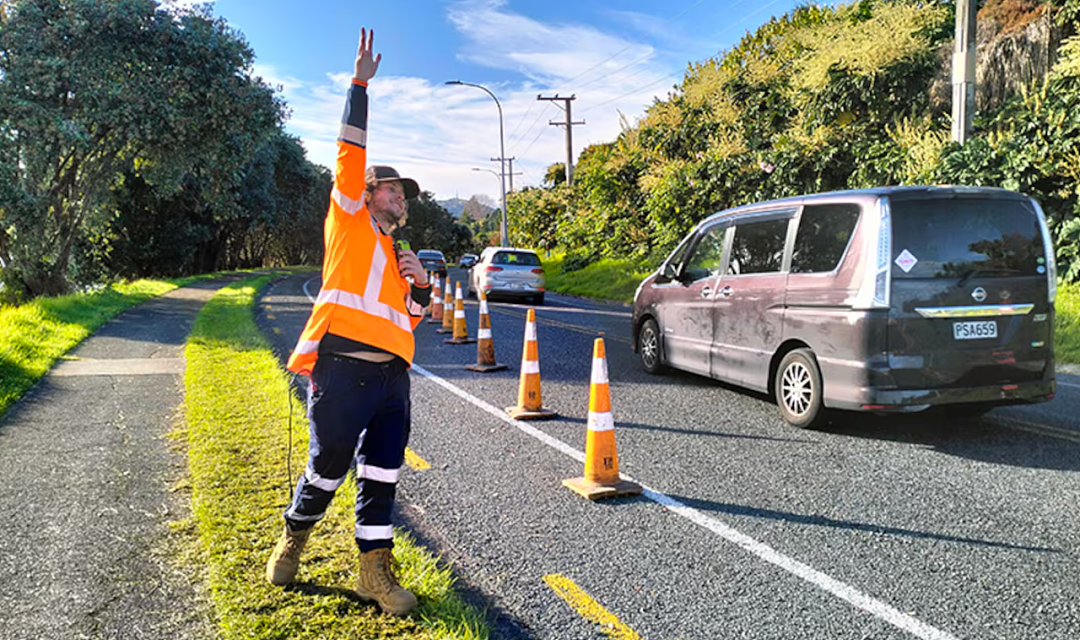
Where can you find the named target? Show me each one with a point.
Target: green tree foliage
(821, 98)
(431, 226)
(134, 140)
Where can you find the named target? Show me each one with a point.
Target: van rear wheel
(798, 389)
(649, 347)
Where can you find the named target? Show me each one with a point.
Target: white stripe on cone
(530, 366)
(601, 421)
(483, 334)
(599, 371)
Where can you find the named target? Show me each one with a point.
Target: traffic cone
(436, 303)
(461, 333)
(448, 311)
(530, 405)
(601, 478)
(485, 348)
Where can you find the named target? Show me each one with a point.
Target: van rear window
(955, 238)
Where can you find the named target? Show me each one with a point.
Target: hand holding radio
(409, 265)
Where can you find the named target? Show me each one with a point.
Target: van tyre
(798, 389)
(649, 347)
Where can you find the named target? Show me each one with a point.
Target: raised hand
(366, 63)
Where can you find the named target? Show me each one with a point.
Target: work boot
(285, 560)
(377, 582)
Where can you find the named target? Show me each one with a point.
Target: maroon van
(890, 300)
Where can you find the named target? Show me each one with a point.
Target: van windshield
(957, 238)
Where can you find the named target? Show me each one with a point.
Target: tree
(93, 90)
(431, 226)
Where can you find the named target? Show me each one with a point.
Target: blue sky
(614, 55)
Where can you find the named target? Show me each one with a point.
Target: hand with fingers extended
(366, 62)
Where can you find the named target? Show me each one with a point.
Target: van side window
(824, 232)
(704, 261)
(758, 247)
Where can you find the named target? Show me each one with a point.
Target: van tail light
(489, 269)
(1048, 251)
(540, 271)
(877, 251)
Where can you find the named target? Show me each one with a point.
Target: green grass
(237, 427)
(34, 335)
(607, 279)
(1067, 324)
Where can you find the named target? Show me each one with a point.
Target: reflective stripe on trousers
(358, 414)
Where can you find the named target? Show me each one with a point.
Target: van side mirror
(668, 273)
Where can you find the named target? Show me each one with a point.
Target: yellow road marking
(415, 461)
(271, 316)
(588, 608)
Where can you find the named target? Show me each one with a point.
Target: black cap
(382, 173)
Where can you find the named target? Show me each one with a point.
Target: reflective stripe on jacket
(363, 296)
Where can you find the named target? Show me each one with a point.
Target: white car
(508, 272)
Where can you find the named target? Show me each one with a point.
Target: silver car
(507, 272)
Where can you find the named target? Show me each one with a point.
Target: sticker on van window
(906, 261)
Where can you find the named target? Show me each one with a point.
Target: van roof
(895, 192)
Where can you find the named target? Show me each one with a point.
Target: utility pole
(569, 124)
(963, 64)
(510, 171)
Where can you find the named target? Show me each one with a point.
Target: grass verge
(607, 279)
(34, 335)
(1067, 324)
(237, 407)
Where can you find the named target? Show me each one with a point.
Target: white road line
(308, 293)
(821, 580)
(1068, 384)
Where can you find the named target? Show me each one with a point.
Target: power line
(629, 46)
(673, 75)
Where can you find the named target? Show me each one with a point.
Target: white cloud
(437, 133)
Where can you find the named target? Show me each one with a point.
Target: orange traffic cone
(448, 311)
(461, 333)
(436, 303)
(530, 405)
(601, 478)
(485, 348)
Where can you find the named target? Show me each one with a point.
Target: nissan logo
(979, 294)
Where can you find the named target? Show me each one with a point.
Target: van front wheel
(649, 347)
(798, 389)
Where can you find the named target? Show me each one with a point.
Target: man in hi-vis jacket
(357, 348)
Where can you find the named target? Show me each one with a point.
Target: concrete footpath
(85, 474)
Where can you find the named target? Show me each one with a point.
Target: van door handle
(726, 292)
(705, 291)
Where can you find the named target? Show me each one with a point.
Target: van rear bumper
(873, 399)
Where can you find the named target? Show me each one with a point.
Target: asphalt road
(871, 527)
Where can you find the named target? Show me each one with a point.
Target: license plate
(974, 330)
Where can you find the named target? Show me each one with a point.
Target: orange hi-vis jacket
(363, 297)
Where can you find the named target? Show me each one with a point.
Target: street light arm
(502, 153)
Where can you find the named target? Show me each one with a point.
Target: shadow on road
(622, 424)
(709, 506)
(983, 439)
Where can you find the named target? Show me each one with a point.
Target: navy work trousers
(358, 416)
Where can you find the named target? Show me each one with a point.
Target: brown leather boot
(285, 559)
(377, 582)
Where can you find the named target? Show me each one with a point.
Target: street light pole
(492, 172)
(503, 231)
